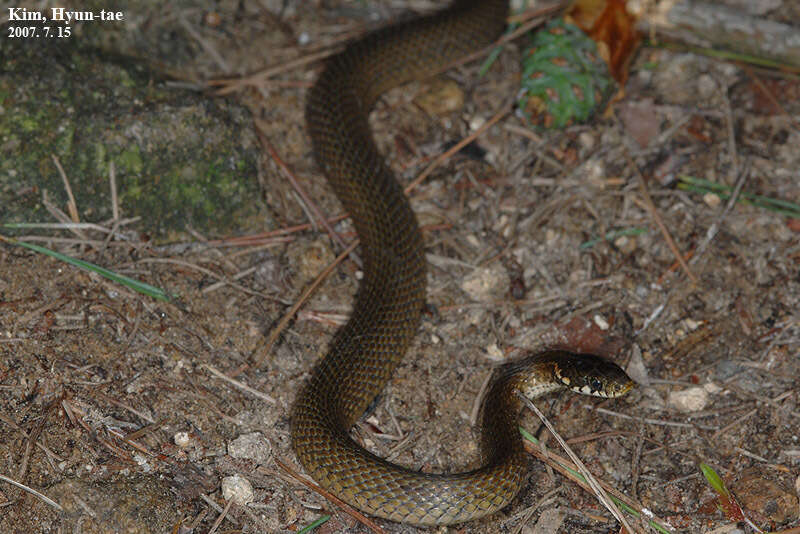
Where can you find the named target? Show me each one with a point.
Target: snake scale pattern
(364, 353)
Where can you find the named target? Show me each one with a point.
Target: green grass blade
(714, 479)
(136, 285)
(314, 525)
(611, 236)
(627, 508)
(702, 186)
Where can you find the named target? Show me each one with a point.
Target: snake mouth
(588, 374)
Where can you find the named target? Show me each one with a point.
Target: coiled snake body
(364, 353)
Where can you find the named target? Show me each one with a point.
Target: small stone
(691, 399)
(182, 439)
(730, 528)
(440, 97)
(636, 368)
(476, 122)
(494, 353)
(712, 200)
(626, 244)
(473, 240)
(486, 284)
(706, 87)
(238, 489)
(595, 173)
(587, 140)
(691, 324)
(253, 446)
(600, 321)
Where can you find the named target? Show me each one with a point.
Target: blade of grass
(726, 55)
(611, 236)
(727, 501)
(702, 186)
(619, 502)
(314, 525)
(714, 479)
(136, 285)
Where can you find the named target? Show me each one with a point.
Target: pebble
(687, 400)
(182, 439)
(587, 140)
(494, 353)
(636, 367)
(600, 321)
(712, 200)
(440, 97)
(253, 446)
(238, 489)
(486, 284)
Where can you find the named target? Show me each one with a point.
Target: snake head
(590, 375)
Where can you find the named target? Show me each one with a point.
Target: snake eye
(596, 385)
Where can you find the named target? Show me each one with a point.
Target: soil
(128, 412)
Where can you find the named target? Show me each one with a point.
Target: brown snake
(364, 353)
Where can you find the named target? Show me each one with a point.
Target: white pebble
(486, 284)
(253, 446)
(601, 323)
(691, 399)
(238, 489)
(182, 439)
(494, 353)
(712, 200)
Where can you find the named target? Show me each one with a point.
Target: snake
(363, 354)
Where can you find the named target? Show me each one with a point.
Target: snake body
(363, 354)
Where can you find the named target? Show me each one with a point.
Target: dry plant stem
(273, 336)
(210, 273)
(318, 218)
(596, 488)
(33, 492)
(115, 222)
(210, 49)
(536, 12)
(536, 17)
(563, 466)
(231, 86)
(218, 508)
(346, 508)
(258, 238)
(461, 144)
(222, 283)
(659, 221)
(714, 228)
(72, 206)
(730, 128)
(241, 386)
(675, 265)
(112, 179)
(221, 517)
(33, 437)
(770, 96)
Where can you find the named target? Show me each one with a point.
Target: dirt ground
(128, 412)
